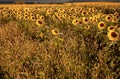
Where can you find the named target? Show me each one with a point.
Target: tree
(19, 2)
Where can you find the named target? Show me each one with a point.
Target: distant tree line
(19, 2)
(71, 1)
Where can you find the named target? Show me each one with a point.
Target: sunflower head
(32, 18)
(85, 20)
(80, 22)
(39, 22)
(87, 27)
(113, 35)
(55, 31)
(115, 20)
(75, 22)
(37, 15)
(111, 28)
(60, 18)
(94, 20)
(74, 15)
(26, 17)
(70, 17)
(108, 18)
(84, 13)
(116, 13)
(118, 26)
(42, 17)
(101, 25)
(64, 15)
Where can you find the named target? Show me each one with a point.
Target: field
(60, 41)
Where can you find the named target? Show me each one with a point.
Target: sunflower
(60, 17)
(99, 14)
(113, 35)
(40, 22)
(85, 20)
(115, 19)
(55, 31)
(64, 15)
(108, 18)
(118, 28)
(75, 22)
(94, 20)
(111, 28)
(37, 15)
(116, 14)
(76, 11)
(69, 17)
(48, 12)
(26, 17)
(42, 17)
(80, 21)
(84, 13)
(101, 25)
(32, 18)
(87, 27)
(74, 15)
(54, 18)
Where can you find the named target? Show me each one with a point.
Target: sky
(58, 1)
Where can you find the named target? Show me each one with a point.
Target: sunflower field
(60, 42)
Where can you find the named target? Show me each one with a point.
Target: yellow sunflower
(48, 12)
(85, 20)
(113, 35)
(69, 17)
(60, 17)
(111, 28)
(116, 14)
(101, 25)
(80, 22)
(42, 17)
(118, 28)
(40, 22)
(94, 20)
(115, 20)
(26, 17)
(108, 18)
(64, 15)
(87, 27)
(37, 15)
(32, 18)
(55, 31)
(75, 22)
(84, 13)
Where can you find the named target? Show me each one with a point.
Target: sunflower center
(101, 25)
(111, 28)
(39, 22)
(113, 34)
(80, 22)
(84, 12)
(41, 17)
(76, 20)
(108, 18)
(118, 26)
(56, 31)
(86, 20)
(33, 18)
